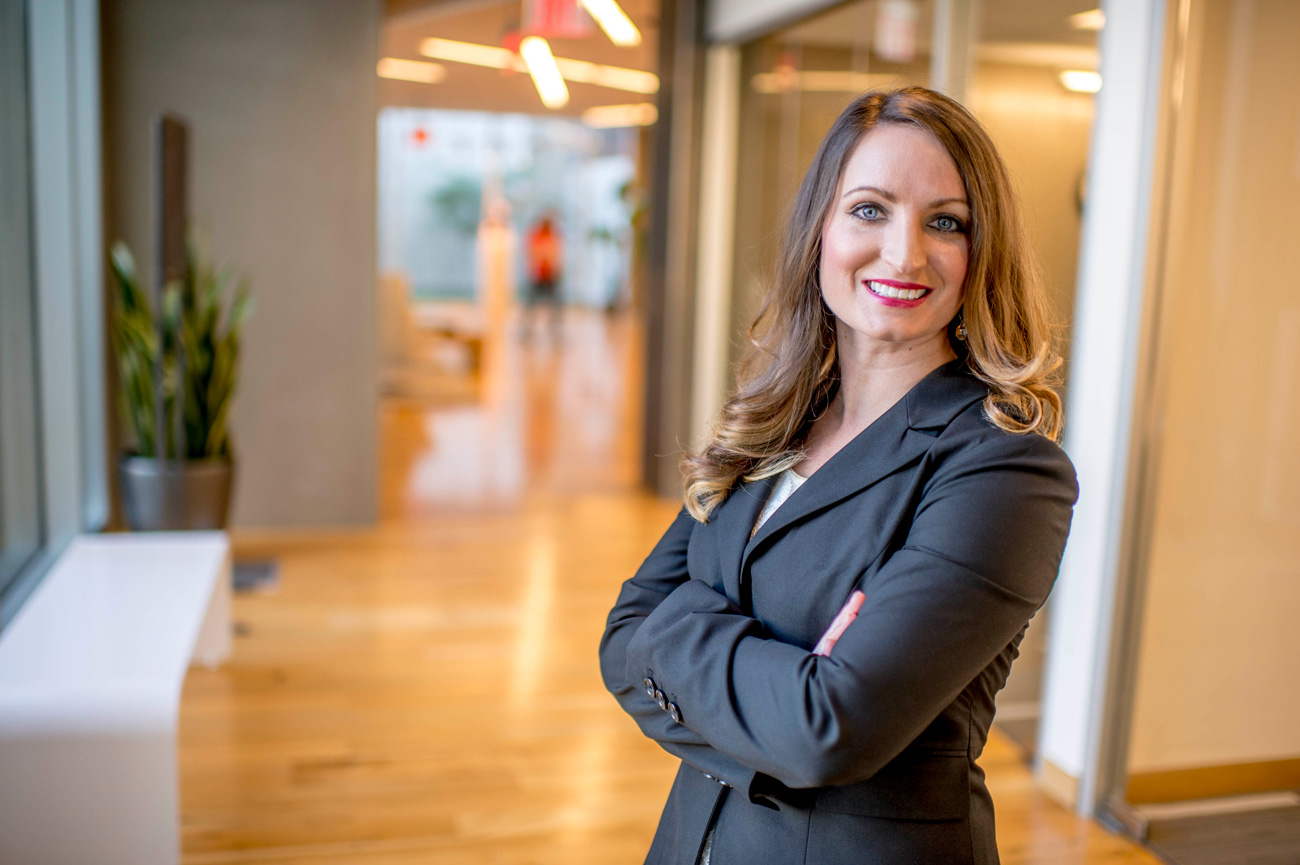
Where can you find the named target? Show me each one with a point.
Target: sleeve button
(675, 712)
(649, 684)
(661, 699)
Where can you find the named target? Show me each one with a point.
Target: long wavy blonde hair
(790, 373)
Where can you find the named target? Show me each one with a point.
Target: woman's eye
(947, 223)
(868, 211)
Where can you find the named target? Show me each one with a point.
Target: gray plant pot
(171, 495)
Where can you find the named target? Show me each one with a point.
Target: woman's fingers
(843, 619)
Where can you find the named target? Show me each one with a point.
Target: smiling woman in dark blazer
(877, 514)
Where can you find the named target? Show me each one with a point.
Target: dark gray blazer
(954, 530)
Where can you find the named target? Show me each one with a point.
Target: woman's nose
(904, 248)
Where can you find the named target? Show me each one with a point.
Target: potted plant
(177, 372)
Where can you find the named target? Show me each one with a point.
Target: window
(21, 531)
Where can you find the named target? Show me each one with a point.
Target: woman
(888, 454)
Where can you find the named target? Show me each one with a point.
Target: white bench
(90, 682)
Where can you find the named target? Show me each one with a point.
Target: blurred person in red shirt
(545, 256)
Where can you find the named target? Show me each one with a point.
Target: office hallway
(427, 691)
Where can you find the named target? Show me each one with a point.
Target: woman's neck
(875, 376)
(871, 380)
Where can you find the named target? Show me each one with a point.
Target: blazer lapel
(877, 451)
(733, 521)
(897, 438)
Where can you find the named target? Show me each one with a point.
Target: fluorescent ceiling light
(614, 21)
(468, 52)
(410, 70)
(536, 52)
(1081, 81)
(581, 71)
(614, 116)
(1093, 19)
(616, 77)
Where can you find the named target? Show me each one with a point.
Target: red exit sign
(556, 19)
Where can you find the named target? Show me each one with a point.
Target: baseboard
(1206, 782)
(1059, 785)
(1120, 816)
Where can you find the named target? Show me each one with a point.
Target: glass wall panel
(794, 83)
(1220, 648)
(1025, 89)
(1042, 129)
(441, 172)
(20, 521)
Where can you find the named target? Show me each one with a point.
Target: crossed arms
(980, 558)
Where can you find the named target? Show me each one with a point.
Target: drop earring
(960, 331)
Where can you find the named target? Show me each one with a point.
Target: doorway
(511, 245)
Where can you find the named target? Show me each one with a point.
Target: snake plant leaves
(187, 348)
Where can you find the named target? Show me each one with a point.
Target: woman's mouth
(892, 293)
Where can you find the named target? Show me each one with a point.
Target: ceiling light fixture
(616, 77)
(468, 52)
(546, 75)
(616, 116)
(633, 80)
(1081, 81)
(410, 70)
(1093, 19)
(614, 21)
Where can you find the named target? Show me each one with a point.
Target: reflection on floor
(427, 691)
(555, 413)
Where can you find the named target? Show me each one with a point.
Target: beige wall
(281, 102)
(1219, 666)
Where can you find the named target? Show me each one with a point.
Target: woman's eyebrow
(889, 196)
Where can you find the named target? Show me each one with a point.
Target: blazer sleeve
(663, 571)
(980, 557)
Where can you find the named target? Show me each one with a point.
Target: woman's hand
(840, 624)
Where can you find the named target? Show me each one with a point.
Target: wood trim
(1059, 785)
(1205, 782)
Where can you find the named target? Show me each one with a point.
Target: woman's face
(896, 244)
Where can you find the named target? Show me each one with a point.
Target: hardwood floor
(427, 691)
